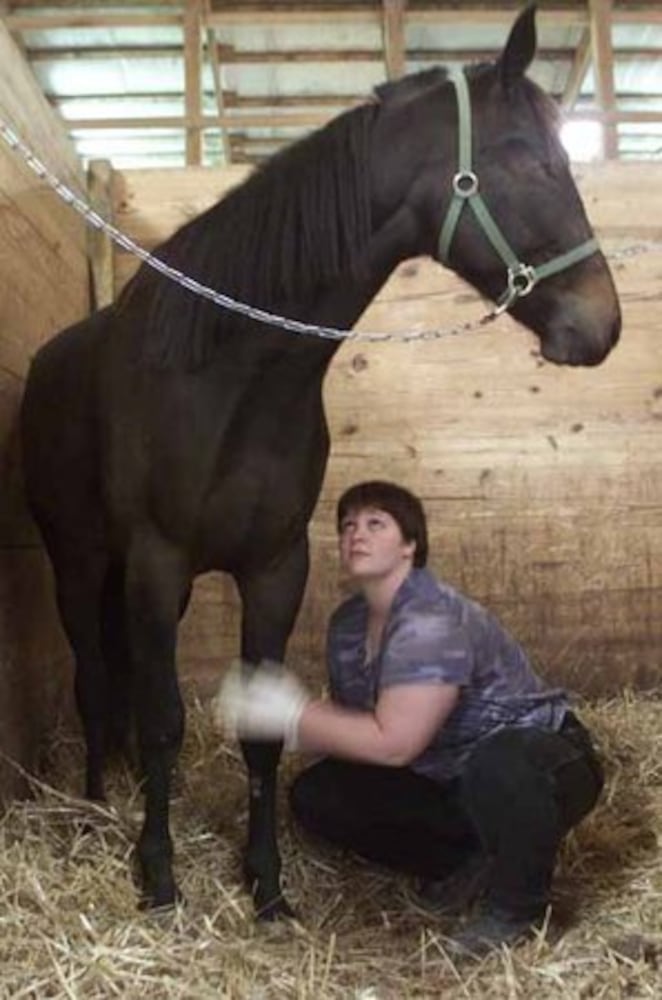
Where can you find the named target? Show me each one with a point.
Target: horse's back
(59, 427)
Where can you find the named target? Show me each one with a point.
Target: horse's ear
(520, 48)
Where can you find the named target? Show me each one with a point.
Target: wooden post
(192, 76)
(212, 53)
(393, 29)
(603, 64)
(99, 244)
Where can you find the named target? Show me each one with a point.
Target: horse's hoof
(157, 890)
(157, 902)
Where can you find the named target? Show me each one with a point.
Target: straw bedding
(69, 927)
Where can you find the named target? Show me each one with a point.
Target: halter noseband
(521, 277)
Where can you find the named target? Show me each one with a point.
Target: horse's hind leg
(79, 580)
(156, 580)
(270, 602)
(117, 657)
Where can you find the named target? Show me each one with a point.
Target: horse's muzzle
(580, 343)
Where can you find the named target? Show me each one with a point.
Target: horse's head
(508, 217)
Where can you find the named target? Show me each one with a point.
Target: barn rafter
(208, 81)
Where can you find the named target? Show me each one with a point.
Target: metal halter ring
(521, 280)
(465, 183)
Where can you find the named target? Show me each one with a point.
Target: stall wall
(43, 286)
(543, 484)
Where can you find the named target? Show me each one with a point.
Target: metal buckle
(465, 183)
(521, 280)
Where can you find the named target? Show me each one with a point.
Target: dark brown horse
(165, 436)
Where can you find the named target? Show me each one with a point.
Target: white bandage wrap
(261, 703)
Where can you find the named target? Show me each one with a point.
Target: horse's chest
(252, 516)
(262, 491)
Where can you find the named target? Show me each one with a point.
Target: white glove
(264, 705)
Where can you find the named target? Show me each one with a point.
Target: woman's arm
(403, 724)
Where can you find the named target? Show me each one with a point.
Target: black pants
(519, 793)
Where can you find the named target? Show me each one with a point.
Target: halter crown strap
(521, 277)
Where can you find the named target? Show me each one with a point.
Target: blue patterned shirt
(436, 635)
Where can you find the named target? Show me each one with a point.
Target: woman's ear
(409, 550)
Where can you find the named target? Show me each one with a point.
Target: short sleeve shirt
(436, 635)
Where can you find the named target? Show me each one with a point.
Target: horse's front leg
(271, 599)
(155, 581)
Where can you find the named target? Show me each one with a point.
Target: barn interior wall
(43, 286)
(543, 484)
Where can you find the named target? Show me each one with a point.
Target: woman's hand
(261, 703)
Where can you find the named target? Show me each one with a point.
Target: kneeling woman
(444, 755)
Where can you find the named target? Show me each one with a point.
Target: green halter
(521, 277)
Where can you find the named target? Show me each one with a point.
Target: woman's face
(372, 546)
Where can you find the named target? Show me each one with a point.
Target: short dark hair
(403, 506)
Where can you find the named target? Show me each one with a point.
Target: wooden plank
(100, 246)
(24, 107)
(578, 71)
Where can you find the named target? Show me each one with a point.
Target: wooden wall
(543, 484)
(43, 286)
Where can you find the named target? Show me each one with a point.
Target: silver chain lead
(225, 301)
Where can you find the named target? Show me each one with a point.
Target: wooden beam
(364, 14)
(246, 57)
(616, 116)
(193, 80)
(303, 119)
(100, 4)
(229, 54)
(393, 34)
(71, 19)
(232, 99)
(578, 71)
(603, 63)
(57, 53)
(307, 14)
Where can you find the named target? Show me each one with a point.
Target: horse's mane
(299, 220)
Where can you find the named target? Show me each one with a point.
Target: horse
(164, 436)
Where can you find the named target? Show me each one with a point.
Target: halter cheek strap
(521, 278)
